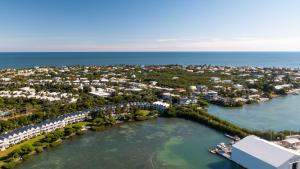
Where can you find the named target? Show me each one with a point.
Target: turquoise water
(155, 144)
(266, 59)
(281, 113)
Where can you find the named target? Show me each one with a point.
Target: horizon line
(164, 51)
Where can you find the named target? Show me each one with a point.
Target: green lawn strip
(143, 112)
(3, 154)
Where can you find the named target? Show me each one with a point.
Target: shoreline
(4, 154)
(225, 127)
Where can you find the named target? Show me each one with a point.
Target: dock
(223, 149)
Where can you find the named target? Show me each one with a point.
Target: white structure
(255, 153)
(238, 86)
(292, 142)
(160, 106)
(187, 101)
(16, 136)
(212, 95)
(169, 96)
(99, 92)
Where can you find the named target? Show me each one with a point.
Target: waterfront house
(212, 95)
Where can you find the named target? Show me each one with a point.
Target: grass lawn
(10, 149)
(143, 112)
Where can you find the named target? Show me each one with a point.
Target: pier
(223, 149)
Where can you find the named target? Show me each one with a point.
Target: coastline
(86, 127)
(203, 118)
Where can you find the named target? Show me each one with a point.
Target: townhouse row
(20, 134)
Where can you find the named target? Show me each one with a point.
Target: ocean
(261, 59)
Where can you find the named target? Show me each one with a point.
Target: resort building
(255, 153)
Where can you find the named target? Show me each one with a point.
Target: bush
(55, 144)
(80, 132)
(39, 149)
(97, 128)
(14, 154)
(26, 157)
(9, 165)
(26, 149)
(37, 143)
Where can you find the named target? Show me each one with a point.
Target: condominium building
(20, 134)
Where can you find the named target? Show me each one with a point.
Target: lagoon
(155, 144)
(282, 113)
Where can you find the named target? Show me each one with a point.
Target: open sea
(262, 59)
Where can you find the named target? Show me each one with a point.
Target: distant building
(292, 142)
(99, 92)
(212, 95)
(187, 101)
(202, 88)
(4, 114)
(160, 106)
(284, 86)
(238, 86)
(215, 79)
(168, 96)
(255, 153)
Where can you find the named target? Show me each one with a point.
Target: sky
(149, 25)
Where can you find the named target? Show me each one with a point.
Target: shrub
(55, 144)
(9, 165)
(39, 149)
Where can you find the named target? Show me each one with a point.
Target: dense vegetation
(102, 119)
(49, 140)
(200, 116)
(45, 110)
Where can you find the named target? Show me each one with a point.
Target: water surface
(281, 113)
(155, 144)
(265, 59)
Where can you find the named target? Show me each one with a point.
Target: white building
(169, 96)
(187, 101)
(160, 106)
(212, 95)
(23, 133)
(255, 153)
(238, 86)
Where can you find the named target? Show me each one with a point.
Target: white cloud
(173, 40)
(166, 40)
(242, 43)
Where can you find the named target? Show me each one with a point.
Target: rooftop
(266, 151)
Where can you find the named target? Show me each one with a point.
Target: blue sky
(149, 25)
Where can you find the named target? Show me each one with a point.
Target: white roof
(292, 140)
(266, 151)
(161, 103)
